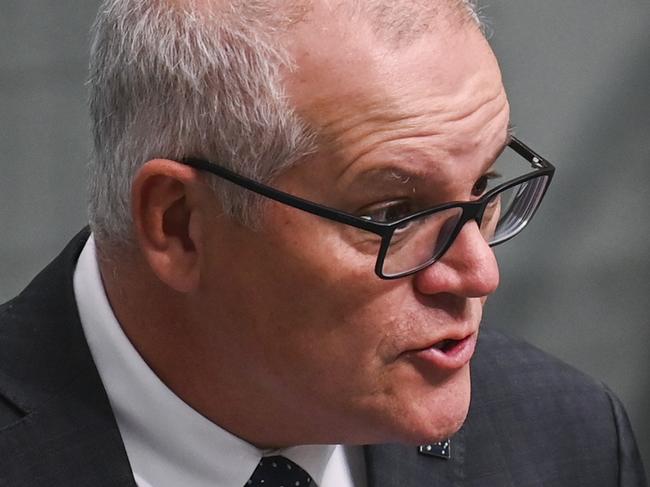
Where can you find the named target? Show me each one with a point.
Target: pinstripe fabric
(533, 421)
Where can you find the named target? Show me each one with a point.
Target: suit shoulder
(539, 396)
(542, 418)
(42, 345)
(509, 366)
(9, 411)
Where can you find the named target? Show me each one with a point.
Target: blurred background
(576, 283)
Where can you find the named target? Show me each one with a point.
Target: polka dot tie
(278, 471)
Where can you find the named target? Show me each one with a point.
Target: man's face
(328, 346)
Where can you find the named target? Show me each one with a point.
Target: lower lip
(451, 359)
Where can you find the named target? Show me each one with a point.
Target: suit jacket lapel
(69, 440)
(66, 433)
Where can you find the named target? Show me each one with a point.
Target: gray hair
(400, 22)
(173, 79)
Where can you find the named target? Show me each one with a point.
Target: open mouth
(446, 346)
(449, 354)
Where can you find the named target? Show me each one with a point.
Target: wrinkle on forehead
(368, 92)
(430, 134)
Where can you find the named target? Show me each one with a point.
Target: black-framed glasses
(411, 243)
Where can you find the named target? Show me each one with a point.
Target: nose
(468, 268)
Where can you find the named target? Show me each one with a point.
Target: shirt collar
(168, 443)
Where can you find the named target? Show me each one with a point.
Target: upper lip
(458, 334)
(413, 332)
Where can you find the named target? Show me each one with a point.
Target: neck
(169, 333)
(155, 320)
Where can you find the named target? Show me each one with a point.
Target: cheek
(322, 343)
(324, 293)
(317, 323)
(315, 249)
(325, 309)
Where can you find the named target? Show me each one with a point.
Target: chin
(438, 413)
(413, 410)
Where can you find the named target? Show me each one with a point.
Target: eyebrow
(391, 174)
(387, 177)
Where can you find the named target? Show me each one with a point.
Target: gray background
(576, 283)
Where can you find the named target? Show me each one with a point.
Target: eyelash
(408, 208)
(385, 207)
(486, 178)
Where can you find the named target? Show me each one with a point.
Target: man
(292, 212)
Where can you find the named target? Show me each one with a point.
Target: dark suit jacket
(533, 420)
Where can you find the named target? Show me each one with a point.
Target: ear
(166, 216)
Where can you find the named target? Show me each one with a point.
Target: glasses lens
(508, 212)
(420, 241)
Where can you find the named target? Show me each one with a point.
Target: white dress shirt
(168, 443)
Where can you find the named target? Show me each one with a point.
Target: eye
(388, 212)
(481, 185)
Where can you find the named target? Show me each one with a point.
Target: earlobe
(164, 217)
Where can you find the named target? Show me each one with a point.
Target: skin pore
(290, 318)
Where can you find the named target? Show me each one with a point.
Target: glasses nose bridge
(472, 210)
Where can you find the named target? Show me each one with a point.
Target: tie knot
(278, 471)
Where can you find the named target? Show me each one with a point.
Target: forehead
(360, 91)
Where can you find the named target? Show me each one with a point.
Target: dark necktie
(278, 471)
